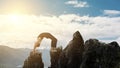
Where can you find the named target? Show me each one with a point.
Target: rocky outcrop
(71, 56)
(55, 55)
(34, 61)
(96, 54)
(101, 55)
(77, 54)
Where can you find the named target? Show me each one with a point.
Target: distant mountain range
(14, 58)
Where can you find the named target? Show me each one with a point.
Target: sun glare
(17, 11)
(15, 19)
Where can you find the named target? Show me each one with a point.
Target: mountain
(14, 58)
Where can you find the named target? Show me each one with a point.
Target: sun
(15, 19)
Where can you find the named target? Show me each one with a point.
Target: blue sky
(58, 7)
(22, 20)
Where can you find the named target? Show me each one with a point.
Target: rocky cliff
(91, 54)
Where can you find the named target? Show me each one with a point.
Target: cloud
(111, 12)
(118, 40)
(77, 4)
(62, 27)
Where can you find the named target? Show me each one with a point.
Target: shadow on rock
(71, 56)
(77, 54)
(100, 55)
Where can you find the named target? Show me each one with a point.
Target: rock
(71, 56)
(34, 61)
(77, 54)
(55, 54)
(50, 36)
(100, 55)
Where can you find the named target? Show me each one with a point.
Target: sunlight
(17, 12)
(15, 19)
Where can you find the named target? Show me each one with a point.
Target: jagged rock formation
(55, 55)
(34, 61)
(92, 54)
(77, 54)
(71, 56)
(101, 55)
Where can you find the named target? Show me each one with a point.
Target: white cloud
(111, 12)
(118, 40)
(24, 32)
(78, 4)
(72, 2)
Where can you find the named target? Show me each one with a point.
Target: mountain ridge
(14, 57)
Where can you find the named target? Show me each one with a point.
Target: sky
(21, 21)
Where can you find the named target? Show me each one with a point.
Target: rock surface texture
(101, 55)
(77, 54)
(34, 61)
(71, 56)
